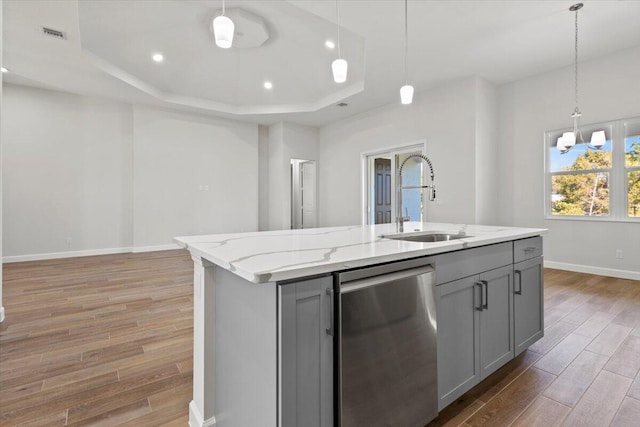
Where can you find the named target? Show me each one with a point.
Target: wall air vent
(54, 33)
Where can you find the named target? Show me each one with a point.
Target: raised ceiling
(109, 45)
(276, 41)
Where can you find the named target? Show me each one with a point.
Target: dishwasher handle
(368, 282)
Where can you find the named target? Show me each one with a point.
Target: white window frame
(618, 191)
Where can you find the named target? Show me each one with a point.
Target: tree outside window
(595, 184)
(632, 161)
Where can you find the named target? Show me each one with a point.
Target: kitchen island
(248, 323)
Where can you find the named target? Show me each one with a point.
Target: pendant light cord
(576, 62)
(222, 7)
(406, 45)
(338, 21)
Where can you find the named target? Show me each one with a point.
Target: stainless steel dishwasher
(386, 346)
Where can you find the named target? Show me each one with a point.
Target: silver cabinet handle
(479, 285)
(519, 291)
(486, 294)
(329, 292)
(529, 249)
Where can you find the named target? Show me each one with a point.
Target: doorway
(303, 193)
(379, 184)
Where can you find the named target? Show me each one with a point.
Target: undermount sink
(429, 237)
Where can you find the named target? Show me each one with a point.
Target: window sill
(591, 219)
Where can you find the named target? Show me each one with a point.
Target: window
(595, 184)
(632, 167)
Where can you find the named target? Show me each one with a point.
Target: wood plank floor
(107, 340)
(104, 340)
(584, 372)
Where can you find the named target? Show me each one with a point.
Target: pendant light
(339, 66)
(569, 139)
(223, 29)
(406, 91)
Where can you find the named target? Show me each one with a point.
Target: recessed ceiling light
(268, 85)
(330, 44)
(4, 70)
(158, 57)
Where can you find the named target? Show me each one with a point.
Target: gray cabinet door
(306, 353)
(496, 320)
(458, 332)
(528, 303)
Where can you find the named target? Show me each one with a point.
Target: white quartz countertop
(288, 254)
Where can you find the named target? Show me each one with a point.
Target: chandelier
(568, 139)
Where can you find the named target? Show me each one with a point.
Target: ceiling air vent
(342, 104)
(54, 33)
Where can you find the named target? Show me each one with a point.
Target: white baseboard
(90, 252)
(195, 418)
(1, 313)
(69, 254)
(610, 272)
(167, 247)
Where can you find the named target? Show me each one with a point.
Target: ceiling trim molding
(205, 104)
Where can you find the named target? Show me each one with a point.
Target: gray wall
(609, 90)
(112, 176)
(286, 141)
(447, 119)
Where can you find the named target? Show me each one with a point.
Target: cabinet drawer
(456, 265)
(527, 248)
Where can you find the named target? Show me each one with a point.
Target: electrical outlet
(68, 240)
(619, 254)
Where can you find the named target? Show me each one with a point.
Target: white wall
(1, 149)
(112, 176)
(263, 178)
(486, 153)
(278, 179)
(609, 90)
(444, 117)
(192, 175)
(66, 172)
(286, 141)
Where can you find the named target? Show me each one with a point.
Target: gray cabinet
(458, 304)
(496, 320)
(475, 335)
(306, 353)
(528, 303)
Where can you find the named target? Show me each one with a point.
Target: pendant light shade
(406, 91)
(406, 94)
(339, 68)
(223, 29)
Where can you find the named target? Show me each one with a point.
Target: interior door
(382, 191)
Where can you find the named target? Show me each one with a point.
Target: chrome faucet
(432, 189)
